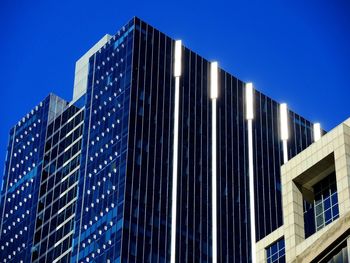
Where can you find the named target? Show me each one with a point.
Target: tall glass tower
(156, 159)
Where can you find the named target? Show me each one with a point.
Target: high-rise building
(157, 158)
(21, 194)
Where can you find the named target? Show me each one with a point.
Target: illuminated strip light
(62, 255)
(63, 238)
(214, 80)
(249, 95)
(70, 173)
(317, 132)
(71, 145)
(68, 189)
(178, 58)
(68, 204)
(177, 74)
(213, 96)
(65, 222)
(284, 130)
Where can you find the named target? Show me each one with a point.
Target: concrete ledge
(340, 226)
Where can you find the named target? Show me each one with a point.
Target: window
(326, 201)
(276, 252)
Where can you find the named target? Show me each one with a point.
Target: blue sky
(295, 51)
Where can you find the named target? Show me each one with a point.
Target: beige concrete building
(316, 204)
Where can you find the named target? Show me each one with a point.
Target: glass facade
(268, 158)
(276, 252)
(100, 213)
(58, 188)
(146, 232)
(104, 193)
(21, 182)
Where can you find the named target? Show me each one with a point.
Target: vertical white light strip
(178, 58)
(317, 131)
(285, 151)
(213, 97)
(284, 130)
(177, 74)
(249, 102)
(214, 80)
(249, 95)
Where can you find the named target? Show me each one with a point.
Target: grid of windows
(99, 215)
(326, 201)
(58, 187)
(276, 252)
(323, 208)
(19, 195)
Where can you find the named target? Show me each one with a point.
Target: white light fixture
(249, 94)
(177, 74)
(284, 121)
(214, 80)
(213, 97)
(284, 130)
(177, 58)
(249, 101)
(317, 131)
